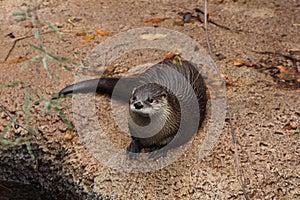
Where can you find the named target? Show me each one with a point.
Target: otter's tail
(103, 86)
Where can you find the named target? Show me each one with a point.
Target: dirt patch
(265, 115)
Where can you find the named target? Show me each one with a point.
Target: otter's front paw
(133, 149)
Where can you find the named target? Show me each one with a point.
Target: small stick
(237, 162)
(17, 40)
(207, 20)
(16, 125)
(289, 57)
(205, 27)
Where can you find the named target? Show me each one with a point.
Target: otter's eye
(164, 95)
(133, 98)
(150, 100)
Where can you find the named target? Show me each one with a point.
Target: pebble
(187, 17)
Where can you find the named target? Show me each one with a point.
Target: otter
(167, 104)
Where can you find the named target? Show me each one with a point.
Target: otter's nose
(138, 105)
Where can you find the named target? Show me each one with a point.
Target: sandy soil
(265, 111)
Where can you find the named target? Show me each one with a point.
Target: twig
(289, 57)
(237, 162)
(205, 27)
(16, 125)
(200, 16)
(17, 40)
(204, 14)
(14, 44)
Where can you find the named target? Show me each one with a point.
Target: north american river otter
(167, 104)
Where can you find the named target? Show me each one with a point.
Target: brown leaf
(109, 70)
(209, 16)
(251, 64)
(212, 15)
(298, 79)
(169, 56)
(157, 20)
(102, 33)
(17, 60)
(69, 135)
(285, 70)
(88, 39)
(239, 62)
(172, 54)
(80, 34)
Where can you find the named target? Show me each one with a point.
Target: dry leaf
(102, 33)
(88, 39)
(157, 20)
(172, 54)
(169, 56)
(17, 60)
(71, 22)
(81, 34)
(238, 62)
(69, 135)
(285, 70)
(109, 70)
(298, 79)
(212, 15)
(251, 64)
(152, 36)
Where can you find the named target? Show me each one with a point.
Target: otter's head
(148, 100)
